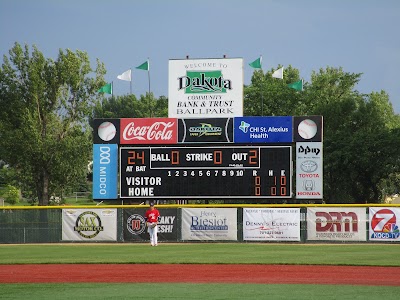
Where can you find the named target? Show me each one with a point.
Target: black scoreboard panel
(206, 172)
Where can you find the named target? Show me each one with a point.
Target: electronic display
(206, 172)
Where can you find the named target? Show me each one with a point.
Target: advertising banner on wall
(149, 131)
(200, 88)
(309, 170)
(336, 224)
(205, 130)
(384, 224)
(271, 224)
(209, 224)
(89, 224)
(105, 171)
(134, 225)
(263, 129)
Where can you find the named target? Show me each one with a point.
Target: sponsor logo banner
(308, 129)
(149, 131)
(105, 171)
(336, 224)
(211, 224)
(205, 130)
(134, 228)
(271, 224)
(309, 168)
(205, 88)
(384, 224)
(106, 131)
(89, 224)
(263, 129)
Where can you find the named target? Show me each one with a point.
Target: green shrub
(12, 195)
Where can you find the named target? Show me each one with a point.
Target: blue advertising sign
(105, 171)
(263, 129)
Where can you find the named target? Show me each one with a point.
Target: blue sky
(361, 36)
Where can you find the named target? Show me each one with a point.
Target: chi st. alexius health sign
(205, 88)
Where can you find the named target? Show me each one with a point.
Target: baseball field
(200, 271)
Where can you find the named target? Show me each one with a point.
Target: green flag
(298, 85)
(106, 89)
(257, 63)
(144, 66)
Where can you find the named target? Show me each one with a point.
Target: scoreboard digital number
(206, 172)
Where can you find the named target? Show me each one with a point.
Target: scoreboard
(238, 158)
(205, 172)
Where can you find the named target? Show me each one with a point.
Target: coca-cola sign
(149, 131)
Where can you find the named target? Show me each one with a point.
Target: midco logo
(336, 222)
(104, 160)
(104, 155)
(196, 82)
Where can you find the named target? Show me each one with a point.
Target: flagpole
(130, 84)
(148, 77)
(148, 72)
(262, 94)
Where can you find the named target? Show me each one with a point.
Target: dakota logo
(157, 131)
(204, 82)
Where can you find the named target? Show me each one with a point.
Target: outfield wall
(203, 223)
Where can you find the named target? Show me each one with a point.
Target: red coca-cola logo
(148, 131)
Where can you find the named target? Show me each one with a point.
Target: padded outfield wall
(203, 223)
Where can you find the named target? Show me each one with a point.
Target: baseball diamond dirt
(201, 273)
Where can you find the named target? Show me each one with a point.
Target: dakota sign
(205, 88)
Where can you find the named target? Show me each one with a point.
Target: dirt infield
(262, 274)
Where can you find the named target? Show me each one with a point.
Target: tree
(332, 94)
(376, 135)
(128, 106)
(44, 110)
(268, 96)
(359, 137)
(361, 132)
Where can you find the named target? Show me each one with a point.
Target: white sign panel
(271, 224)
(200, 88)
(336, 224)
(384, 224)
(309, 170)
(211, 224)
(89, 224)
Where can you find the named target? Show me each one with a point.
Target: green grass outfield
(208, 253)
(195, 291)
(204, 253)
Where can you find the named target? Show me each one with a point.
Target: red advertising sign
(149, 131)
